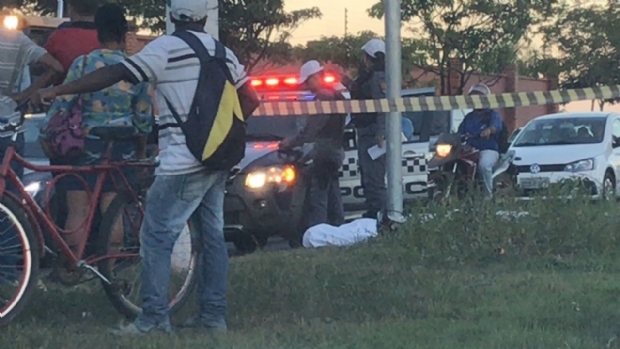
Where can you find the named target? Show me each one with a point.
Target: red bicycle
(24, 226)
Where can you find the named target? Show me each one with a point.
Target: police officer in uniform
(327, 133)
(371, 126)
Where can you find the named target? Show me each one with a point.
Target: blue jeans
(170, 203)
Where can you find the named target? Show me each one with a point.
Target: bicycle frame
(38, 217)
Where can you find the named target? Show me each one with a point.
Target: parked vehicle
(567, 153)
(457, 165)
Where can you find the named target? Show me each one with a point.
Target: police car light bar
(290, 82)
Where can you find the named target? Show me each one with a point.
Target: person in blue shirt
(407, 127)
(486, 123)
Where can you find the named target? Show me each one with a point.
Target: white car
(560, 150)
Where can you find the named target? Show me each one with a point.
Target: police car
(266, 193)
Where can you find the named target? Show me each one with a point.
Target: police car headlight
(273, 175)
(443, 150)
(579, 166)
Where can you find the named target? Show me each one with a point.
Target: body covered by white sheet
(345, 235)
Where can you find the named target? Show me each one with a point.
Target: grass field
(441, 284)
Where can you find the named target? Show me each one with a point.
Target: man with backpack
(203, 95)
(484, 126)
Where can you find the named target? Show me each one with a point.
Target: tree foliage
(587, 41)
(253, 29)
(483, 35)
(346, 51)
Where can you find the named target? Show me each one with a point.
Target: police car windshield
(273, 128)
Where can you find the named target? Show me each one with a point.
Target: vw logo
(534, 169)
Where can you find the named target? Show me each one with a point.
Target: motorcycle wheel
(504, 186)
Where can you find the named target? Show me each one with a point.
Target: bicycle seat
(115, 133)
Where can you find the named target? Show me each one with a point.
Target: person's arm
(494, 126)
(378, 92)
(66, 103)
(247, 96)
(145, 66)
(36, 54)
(315, 123)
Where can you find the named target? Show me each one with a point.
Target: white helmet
(374, 46)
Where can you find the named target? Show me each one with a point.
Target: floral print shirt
(122, 104)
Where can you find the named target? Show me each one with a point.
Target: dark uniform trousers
(325, 201)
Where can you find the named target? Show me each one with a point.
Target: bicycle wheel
(19, 259)
(124, 273)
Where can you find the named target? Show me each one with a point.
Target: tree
(253, 29)
(346, 51)
(483, 35)
(588, 44)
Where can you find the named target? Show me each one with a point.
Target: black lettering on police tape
(437, 103)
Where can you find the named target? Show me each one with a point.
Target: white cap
(189, 10)
(480, 88)
(308, 69)
(373, 46)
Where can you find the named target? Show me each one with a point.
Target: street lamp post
(394, 126)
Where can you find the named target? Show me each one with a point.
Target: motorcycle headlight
(276, 175)
(33, 188)
(580, 166)
(443, 150)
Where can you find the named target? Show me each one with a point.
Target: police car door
(415, 176)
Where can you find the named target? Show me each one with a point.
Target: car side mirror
(615, 142)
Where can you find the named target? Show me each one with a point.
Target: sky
(333, 23)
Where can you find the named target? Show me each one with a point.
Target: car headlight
(276, 175)
(580, 166)
(33, 188)
(443, 150)
(11, 22)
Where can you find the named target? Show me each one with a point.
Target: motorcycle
(457, 164)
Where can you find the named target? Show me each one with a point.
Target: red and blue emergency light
(285, 82)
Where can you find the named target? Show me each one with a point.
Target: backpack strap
(203, 54)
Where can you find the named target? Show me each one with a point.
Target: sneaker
(133, 329)
(198, 322)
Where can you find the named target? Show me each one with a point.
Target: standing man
(327, 133)
(76, 38)
(17, 53)
(183, 187)
(485, 123)
(371, 126)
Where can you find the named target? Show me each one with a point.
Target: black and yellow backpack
(215, 127)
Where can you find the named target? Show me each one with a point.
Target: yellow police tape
(505, 100)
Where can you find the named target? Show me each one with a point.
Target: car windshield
(32, 147)
(273, 128)
(578, 130)
(428, 123)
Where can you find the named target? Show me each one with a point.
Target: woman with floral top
(122, 104)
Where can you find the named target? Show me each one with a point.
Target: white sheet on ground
(345, 235)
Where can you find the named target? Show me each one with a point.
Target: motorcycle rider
(485, 123)
(370, 126)
(326, 132)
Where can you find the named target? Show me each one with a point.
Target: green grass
(435, 285)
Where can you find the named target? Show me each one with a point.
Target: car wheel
(609, 187)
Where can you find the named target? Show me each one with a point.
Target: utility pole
(394, 128)
(346, 22)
